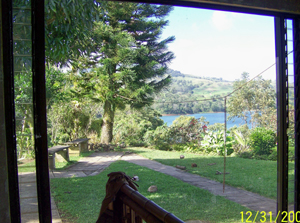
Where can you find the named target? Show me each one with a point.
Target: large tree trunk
(108, 122)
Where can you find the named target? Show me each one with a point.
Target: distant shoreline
(174, 114)
(188, 114)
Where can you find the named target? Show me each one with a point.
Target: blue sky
(221, 44)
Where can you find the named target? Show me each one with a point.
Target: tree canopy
(255, 100)
(129, 60)
(68, 26)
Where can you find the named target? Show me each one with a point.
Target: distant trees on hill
(188, 90)
(175, 73)
(186, 106)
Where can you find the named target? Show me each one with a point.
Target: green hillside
(185, 88)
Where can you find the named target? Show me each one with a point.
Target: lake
(211, 117)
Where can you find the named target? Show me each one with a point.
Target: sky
(222, 44)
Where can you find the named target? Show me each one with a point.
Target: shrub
(291, 153)
(96, 126)
(213, 142)
(246, 155)
(159, 138)
(192, 147)
(179, 147)
(67, 121)
(262, 141)
(185, 133)
(273, 155)
(186, 129)
(131, 125)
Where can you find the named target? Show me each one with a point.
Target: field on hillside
(207, 88)
(186, 88)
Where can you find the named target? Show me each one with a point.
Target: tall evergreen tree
(130, 60)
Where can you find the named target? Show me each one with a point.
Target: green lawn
(258, 176)
(79, 199)
(30, 166)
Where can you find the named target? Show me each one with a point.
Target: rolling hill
(186, 88)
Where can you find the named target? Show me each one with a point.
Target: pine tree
(130, 61)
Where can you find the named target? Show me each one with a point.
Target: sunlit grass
(59, 164)
(79, 199)
(259, 176)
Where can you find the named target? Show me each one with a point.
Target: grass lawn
(79, 199)
(60, 165)
(259, 176)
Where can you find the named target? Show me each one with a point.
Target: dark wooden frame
(9, 110)
(40, 106)
(282, 159)
(39, 110)
(296, 28)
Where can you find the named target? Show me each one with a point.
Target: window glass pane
(22, 48)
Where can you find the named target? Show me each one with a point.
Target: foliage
(129, 61)
(290, 129)
(184, 130)
(68, 24)
(24, 114)
(191, 147)
(242, 141)
(188, 129)
(71, 120)
(254, 101)
(131, 125)
(180, 146)
(262, 141)
(186, 89)
(57, 85)
(160, 138)
(216, 127)
(213, 142)
(96, 126)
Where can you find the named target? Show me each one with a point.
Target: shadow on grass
(82, 197)
(259, 176)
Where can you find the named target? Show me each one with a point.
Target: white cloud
(221, 20)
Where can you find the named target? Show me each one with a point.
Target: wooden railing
(127, 205)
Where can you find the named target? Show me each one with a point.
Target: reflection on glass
(22, 49)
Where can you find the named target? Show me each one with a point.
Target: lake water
(211, 117)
